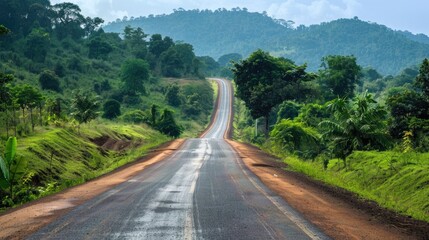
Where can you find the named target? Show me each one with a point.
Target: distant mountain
(215, 33)
(422, 38)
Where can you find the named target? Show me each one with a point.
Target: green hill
(215, 33)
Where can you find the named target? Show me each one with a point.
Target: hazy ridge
(215, 33)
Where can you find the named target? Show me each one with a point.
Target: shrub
(168, 125)
(135, 116)
(112, 109)
(48, 80)
(296, 138)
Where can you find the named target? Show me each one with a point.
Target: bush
(168, 125)
(296, 138)
(112, 109)
(135, 116)
(172, 95)
(288, 110)
(48, 80)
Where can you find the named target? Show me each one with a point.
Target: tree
(264, 81)
(403, 107)
(154, 114)
(228, 59)
(157, 45)
(340, 76)
(288, 110)
(171, 63)
(6, 102)
(134, 73)
(3, 30)
(112, 109)
(99, 48)
(136, 41)
(48, 80)
(186, 54)
(37, 45)
(172, 96)
(422, 80)
(84, 107)
(27, 97)
(91, 25)
(168, 125)
(68, 20)
(357, 126)
(4, 89)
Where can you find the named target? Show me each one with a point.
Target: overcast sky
(411, 15)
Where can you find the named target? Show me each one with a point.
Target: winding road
(202, 191)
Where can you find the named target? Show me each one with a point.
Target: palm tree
(356, 126)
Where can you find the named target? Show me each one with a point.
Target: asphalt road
(203, 191)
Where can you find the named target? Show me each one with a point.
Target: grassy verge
(58, 158)
(396, 181)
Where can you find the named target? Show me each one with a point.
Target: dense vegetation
(77, 101)
(220, 32)
(373, 141)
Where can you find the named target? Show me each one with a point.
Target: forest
(337, 126)
(220, 32)
(65, 81)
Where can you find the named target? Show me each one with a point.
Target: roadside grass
(68, 155)
(215, 87)
(397, 181)
(58, 158)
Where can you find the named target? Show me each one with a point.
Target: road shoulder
(337, 217)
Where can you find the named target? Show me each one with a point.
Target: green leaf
(4, 184)
(10, 150)
(4, 170)
(19, 168)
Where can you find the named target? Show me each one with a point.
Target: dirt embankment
(339, 213)
(22, 221)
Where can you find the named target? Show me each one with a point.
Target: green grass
(64, 157)
(396, 181)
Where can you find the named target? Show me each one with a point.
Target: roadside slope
(20, 222)
(337, 212)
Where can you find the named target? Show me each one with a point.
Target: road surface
(203, 191)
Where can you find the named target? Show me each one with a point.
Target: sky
(410, 15)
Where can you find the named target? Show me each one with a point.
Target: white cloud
(315, 11)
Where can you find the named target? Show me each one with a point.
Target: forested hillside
(220, 32)
(77, 102)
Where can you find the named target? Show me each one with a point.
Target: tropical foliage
(359, 126)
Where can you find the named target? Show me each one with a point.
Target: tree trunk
(40, 115)
(31, 118)
(14, 118)
(267, 122)
(23, 115)
(7, 123)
